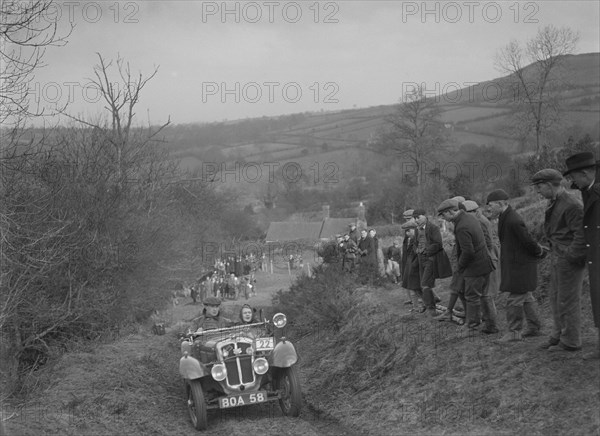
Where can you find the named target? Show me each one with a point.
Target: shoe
(432, 313)
(459, 313)
(562, 347)
(446, 316)
(530, 333)
(490, 331)
(550, 343)
(512, 336)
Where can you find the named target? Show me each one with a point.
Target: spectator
(519, 255)
(349, 249)
(411, 280)
(353, 233)
(493, 249)
(364, 246)
(473, 263)
(433, 261)
(582, 170)
(393, 258)
(564, 231)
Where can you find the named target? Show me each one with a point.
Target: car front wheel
(197, 405)
(288, 385)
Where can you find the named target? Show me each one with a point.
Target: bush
(323, 300)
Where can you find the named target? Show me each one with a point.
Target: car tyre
(197, 405)
(288, 385)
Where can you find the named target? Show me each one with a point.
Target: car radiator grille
(239, 369)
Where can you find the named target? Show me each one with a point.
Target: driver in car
(211, 316)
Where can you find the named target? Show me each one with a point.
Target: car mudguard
(190, 368)
(283, 355)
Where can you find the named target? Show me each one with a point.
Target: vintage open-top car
(240, 366)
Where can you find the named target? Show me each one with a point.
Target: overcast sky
(284, 57)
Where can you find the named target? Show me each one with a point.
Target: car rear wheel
(197, 405)
(288, 385)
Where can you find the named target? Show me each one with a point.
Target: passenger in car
(247, 315)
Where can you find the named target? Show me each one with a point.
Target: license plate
(242, 399)
(264, 344)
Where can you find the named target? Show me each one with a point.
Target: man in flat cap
(564, 232)
(582, 170)
(493, 246)
(433, 261)
(457, 283)
(519, 255)
(211, 317)
(474, 265)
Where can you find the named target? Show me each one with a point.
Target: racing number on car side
(242, 400)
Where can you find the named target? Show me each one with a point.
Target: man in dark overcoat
(582, 169)
(519, 255)
(564, 232)
(473, 264)
(411, 280)
(408, 218)
(433, 260)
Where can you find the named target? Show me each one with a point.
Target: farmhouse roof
(334, 226)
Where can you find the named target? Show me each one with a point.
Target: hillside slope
(478, 114)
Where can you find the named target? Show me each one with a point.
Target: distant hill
(475, 115)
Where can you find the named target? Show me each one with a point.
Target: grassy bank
(384, 371)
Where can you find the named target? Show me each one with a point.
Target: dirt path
(132, 386)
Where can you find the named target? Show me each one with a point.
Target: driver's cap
(212, 301)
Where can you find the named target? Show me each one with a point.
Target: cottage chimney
(361, 218)
(326, 212)
(360, 211)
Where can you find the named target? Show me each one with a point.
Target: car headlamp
(279, 320)
(219, 372)
(260, 365)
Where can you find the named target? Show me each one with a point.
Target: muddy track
(132, 386)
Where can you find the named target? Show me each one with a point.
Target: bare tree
(26, 29)
(415, 132)
(121, 96)
(535, 94)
